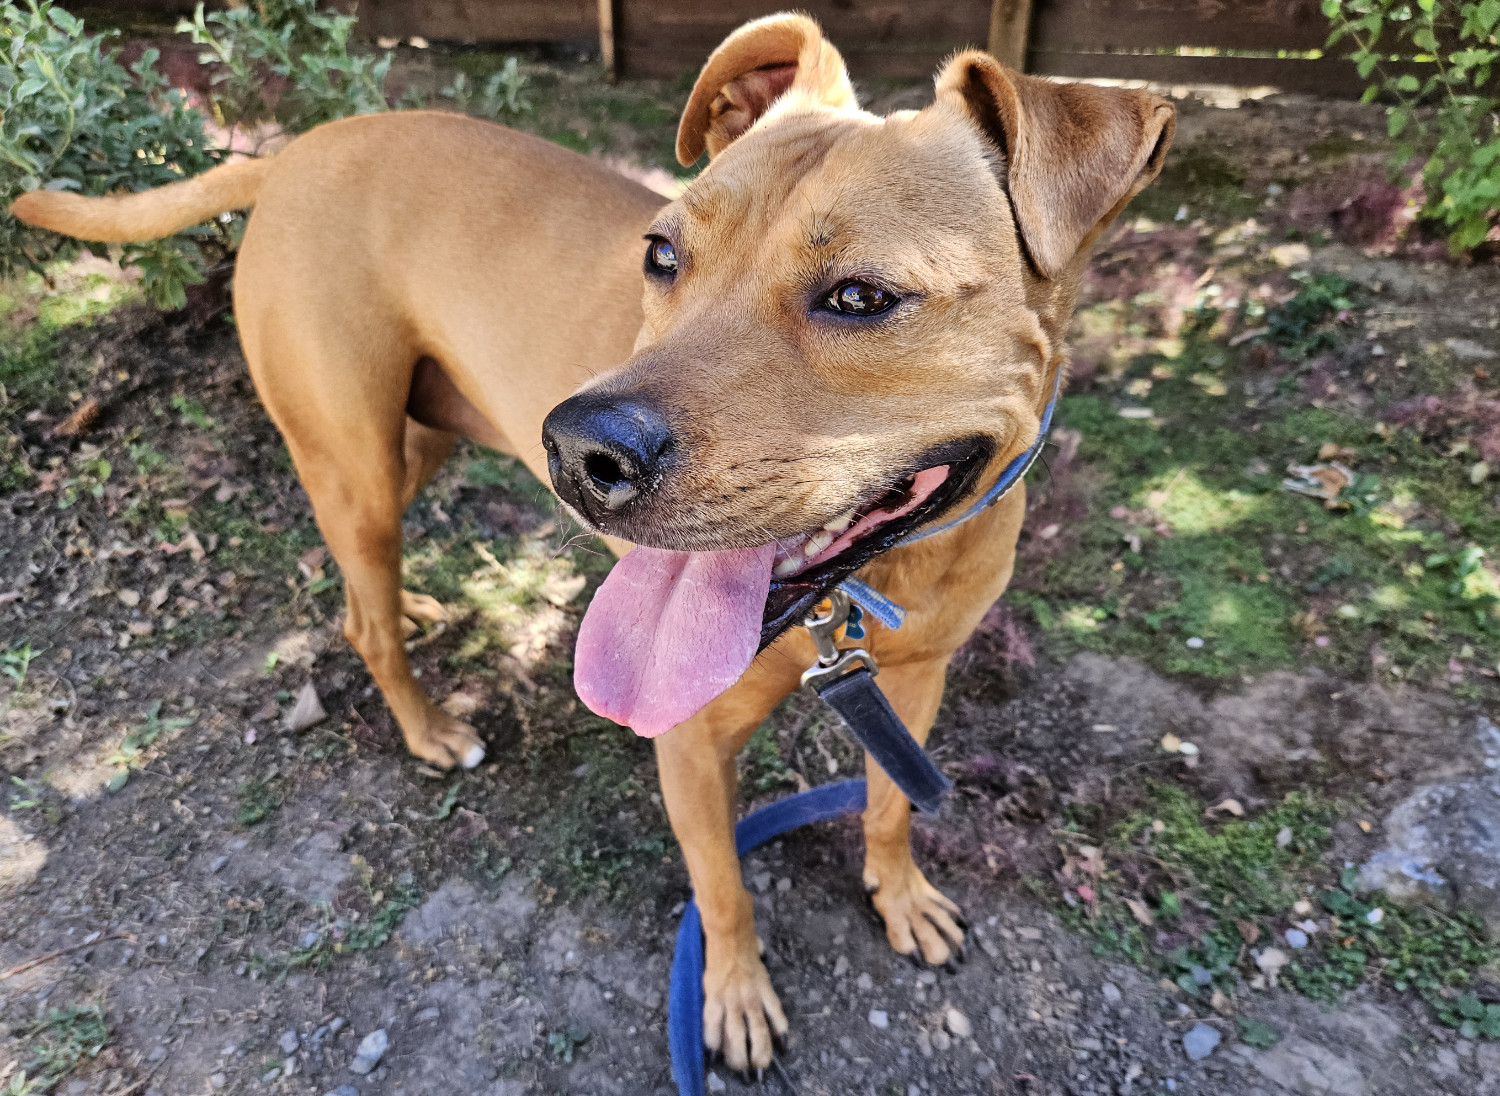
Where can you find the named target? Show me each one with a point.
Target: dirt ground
(222, 904)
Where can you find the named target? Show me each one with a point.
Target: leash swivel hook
(827, 626)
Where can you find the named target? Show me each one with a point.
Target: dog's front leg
(698, 780)
(919, 919)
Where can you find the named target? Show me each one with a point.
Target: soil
(246, 903)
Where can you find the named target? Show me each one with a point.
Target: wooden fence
(1245, 42)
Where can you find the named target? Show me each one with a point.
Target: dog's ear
(751, 69)
(1073, 154)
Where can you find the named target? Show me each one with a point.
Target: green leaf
(1470, 1007)
(1257, 1033)
(119, 780)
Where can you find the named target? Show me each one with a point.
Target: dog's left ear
(1073, 154)
(753, 68)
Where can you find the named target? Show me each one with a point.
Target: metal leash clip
(826, 627)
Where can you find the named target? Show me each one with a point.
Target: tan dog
(849, 325)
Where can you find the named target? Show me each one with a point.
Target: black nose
(602, 453)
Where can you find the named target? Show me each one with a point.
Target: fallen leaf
(1141, 912)
(189, 543)
(1229, 806)
(1321, 481)
(1249, 931)
(80, 421)
(307, 712)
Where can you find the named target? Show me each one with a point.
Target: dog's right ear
(753, 68)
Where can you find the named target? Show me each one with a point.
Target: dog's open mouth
(669, 631)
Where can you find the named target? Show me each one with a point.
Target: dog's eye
(860, 299)
(661, 256)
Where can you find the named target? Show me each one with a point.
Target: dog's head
(851, 322)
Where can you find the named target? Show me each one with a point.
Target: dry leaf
(1230, 806)
(1140, 912)
(80, 421)
(307, 712)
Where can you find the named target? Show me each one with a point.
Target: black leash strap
(870, 718)
(845, 679)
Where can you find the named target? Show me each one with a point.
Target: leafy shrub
(1459, 41)
(72, 117)
(284, 60)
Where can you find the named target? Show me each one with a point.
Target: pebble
(1296, 938)
(310, 939)
(1201, 975)
(336, 1025)
(958, 1024)
(864, 983)
(218, 865)
(1112, 994)
(371, 1049)
(288, 1042)
(427, 1015)
(342, 1090)
(879, 1019)
(716, 1083)
(926, 977)
(841, 966)
(270, 1075)
(1200, 1041)
(217, 1081)
(158, 1052)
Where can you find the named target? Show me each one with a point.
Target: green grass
(1200, 178)
(1189, 534)
(1194, 899)
(60, 1042)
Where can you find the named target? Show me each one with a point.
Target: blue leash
(685, 1003)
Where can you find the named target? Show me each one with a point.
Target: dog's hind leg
(425, 451)
(919, 919)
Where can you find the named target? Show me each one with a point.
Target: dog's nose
(603, 453)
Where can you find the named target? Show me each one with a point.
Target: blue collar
(887, 611)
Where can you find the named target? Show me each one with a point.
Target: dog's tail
(149, 215)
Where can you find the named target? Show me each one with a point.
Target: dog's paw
(446, 742)
(741, 1012)
(920, 920)
(419, 610)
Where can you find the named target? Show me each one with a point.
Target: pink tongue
(668, 632)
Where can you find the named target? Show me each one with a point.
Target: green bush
(1460, 41)
(72, 117)
(286, 61)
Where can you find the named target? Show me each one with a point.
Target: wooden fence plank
(1010, 31)
(1089, 26)
(1317, 77)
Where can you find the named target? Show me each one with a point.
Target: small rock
(310, 939)
(1200, 1041)
(761, 880)
(1468, 349)
(1094, 1046)
(940, 1041)
(1283, 837)
(958, 1024)
(336, 1025)
(1201, 975)
(271, 1075)
(841, 966)
(864, 983)
(1296, 938)
(1112, 994)
(879, 1019)
(342, 1090)
(217, 1081)
(157, 1053)
(783, 885)
(716, 1083)
(218, 865)
(288, 1042)
(129, 598)
(427, 1015)
(371, 1049)
(927, 977)
(307, 712)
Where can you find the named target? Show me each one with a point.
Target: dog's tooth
(816, 543)
(786, 567)
(840, 523)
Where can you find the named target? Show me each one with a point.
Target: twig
(51, 955)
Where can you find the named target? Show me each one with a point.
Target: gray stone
(1112, 994)
(157, 1053)
(958, 1024)
(716, 1083)
(336, 1025)
(371, 1049)
(1296, 938)
(217, 1081)
(288, 1042)
(1200, 1041)
(342, 1090)
(427, 1015)
(879, 1019)
(1443, 836)
(1305, 1068)
(270, 1075)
